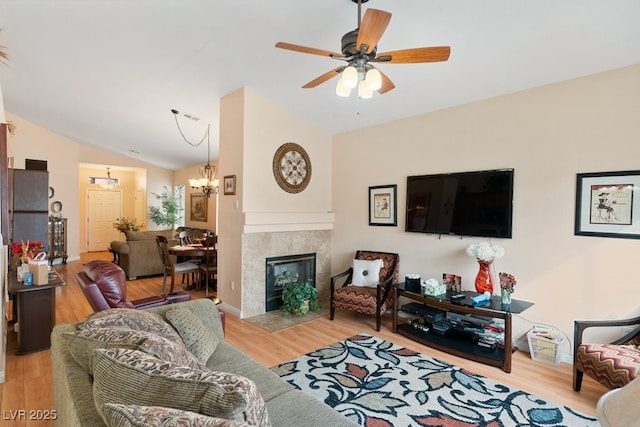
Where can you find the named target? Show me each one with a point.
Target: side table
(36, 312)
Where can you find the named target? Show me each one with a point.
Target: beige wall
(64, 157)
(548, 135)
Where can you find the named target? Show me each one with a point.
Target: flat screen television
(464, 203)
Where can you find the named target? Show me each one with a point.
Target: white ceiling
(107, 73)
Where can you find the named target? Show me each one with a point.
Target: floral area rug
(376, 383)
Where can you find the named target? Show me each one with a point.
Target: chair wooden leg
(577, 379)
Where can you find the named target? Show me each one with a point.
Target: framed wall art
(199, 207)
(607, 204)
(229, 183)
(383, 205)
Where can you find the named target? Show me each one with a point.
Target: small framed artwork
(229, 183)
(199, 207)
(383, 205)
(607, 204)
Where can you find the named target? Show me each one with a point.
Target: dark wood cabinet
(29, 206)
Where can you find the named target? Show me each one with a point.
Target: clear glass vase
(506, 296)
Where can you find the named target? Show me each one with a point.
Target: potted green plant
(169, 211)
(299, 298)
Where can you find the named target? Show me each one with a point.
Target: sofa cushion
(83, 342)
(153, 416)
(200, 341)
(147, 235)
(129, 376)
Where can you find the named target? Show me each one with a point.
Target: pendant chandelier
(207, 184)
(108, 183)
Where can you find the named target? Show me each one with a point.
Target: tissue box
(40, 271)
(434, 290)
(412, 283)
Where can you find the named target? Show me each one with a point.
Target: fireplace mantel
(272, 222)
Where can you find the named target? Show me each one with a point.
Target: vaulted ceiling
(107, 73)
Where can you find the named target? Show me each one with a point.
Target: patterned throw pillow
(128, 318)
(125, 376)
(199, 340)
(366, 273)
(83, 342)
(153, 416)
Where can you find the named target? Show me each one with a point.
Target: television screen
(464, 203)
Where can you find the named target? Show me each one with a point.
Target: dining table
(192, 250)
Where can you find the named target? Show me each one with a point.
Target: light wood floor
(28, 383)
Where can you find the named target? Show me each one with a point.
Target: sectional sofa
(95, 380)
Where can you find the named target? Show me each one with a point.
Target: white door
(103, 207)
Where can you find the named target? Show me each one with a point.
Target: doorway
(103, 207)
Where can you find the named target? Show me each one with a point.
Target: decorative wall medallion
(292, 167)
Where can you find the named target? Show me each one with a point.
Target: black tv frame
(419, 214)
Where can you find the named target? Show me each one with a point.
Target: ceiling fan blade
(419, 54)
(323, 78)
(373, 25)
(387, 84)
(305, 49)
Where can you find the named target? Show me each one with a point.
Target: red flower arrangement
(28, 250)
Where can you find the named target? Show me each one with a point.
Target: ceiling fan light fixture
(373, 79)
(350, 77)
(342, 90)
(364, 90)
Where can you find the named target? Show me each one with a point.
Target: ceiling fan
(359, 51)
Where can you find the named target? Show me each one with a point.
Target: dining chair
(172, 268)
(210, 265)
(188, 237)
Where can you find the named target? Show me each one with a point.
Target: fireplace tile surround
(256, 247)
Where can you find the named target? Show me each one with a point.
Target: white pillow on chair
(366, 273)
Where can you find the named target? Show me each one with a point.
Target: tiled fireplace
(258, 247)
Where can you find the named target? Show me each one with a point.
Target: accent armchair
(614, 364)
(366, 285)
(104, 285)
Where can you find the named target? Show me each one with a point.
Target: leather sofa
(104, 284)
(138, 255)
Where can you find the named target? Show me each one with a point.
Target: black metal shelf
(461, 346)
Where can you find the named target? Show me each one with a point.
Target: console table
(36, 312)
(461, 346)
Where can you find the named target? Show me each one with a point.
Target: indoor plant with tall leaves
(169, 212)
(299, 298)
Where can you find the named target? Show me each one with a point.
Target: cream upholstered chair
(172, 268)
(366, 285)
(619, 407)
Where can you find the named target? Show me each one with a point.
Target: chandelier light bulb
(350, 77)
(374, 79)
